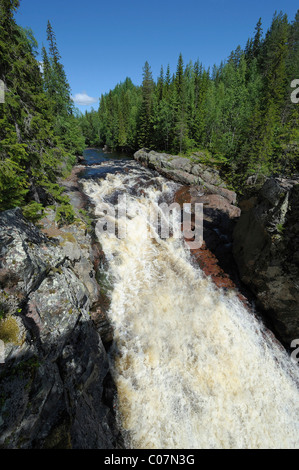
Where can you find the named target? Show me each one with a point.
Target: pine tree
(146, 111)
(55, 77)
(257, 41)
(58, 90)
(167, 83)
(160, 85)
(181, 126)
(31, 156)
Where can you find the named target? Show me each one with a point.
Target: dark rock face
(266, 249)
(52, 392)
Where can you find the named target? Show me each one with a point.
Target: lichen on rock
(52, 381)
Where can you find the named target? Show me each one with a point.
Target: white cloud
(82, 99)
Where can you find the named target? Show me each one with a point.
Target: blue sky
(103, 42)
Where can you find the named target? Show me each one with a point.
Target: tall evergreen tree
(54, 75)
(181, 127)
(58, 90)
(31, 155)
(257, 41)
(146, 111)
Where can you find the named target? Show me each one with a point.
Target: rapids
(193, 367)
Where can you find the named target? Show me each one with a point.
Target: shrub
(33, 211)
(65, 214)
(9, 330)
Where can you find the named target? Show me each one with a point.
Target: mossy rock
(10, 331)
(59, 437)
(68, 237)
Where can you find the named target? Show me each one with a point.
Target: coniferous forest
(39, 133)
(239, 115)
(149, 300)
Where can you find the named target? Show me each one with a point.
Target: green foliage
(13, 184)
(90, 127)
(280, 228)
(9, 330)
(240, 112)
(115, 123)
(39, 134)
(33, 211)
(145, 118)
(86, 218)
(65, 214)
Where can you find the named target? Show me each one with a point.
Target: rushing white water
(193, 368)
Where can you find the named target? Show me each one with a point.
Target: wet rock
(101, 322)
(220, 203)
(219, 214)
(214, 256)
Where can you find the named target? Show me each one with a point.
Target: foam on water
(193, 368)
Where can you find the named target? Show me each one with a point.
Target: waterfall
(193, 367)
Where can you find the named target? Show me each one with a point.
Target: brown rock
(217, 202)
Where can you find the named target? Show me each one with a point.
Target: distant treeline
(239, 113)
(39, 133)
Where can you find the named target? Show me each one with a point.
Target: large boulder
(266, 249)
(219, 219)
(55, 386)
(186, 171)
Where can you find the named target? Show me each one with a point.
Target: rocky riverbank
(254, 246)
(203, 184)
(266, 249)
(55, 389)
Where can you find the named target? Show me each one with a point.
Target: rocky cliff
(55, 386)
(266, 249)
(201, 183)
(262, 246)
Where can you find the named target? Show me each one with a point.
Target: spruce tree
(146, 111)
(181, 126)
(31, 155)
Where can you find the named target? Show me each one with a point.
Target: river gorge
(194, 368)
(118, 336)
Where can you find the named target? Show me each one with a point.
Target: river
(193, 367)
